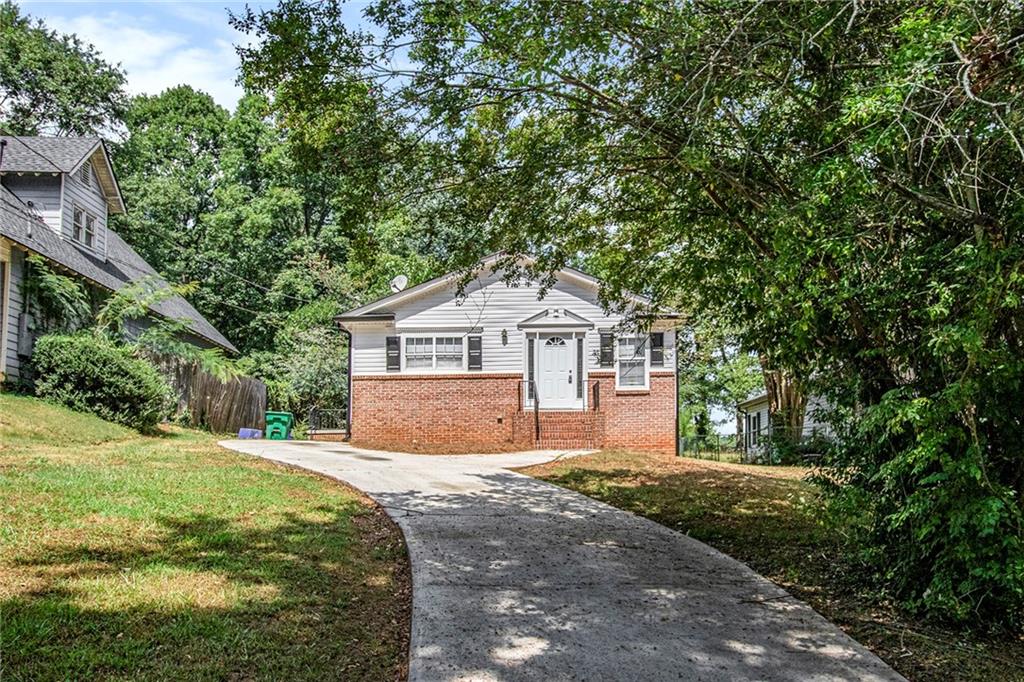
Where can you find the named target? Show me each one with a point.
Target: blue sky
(159, 43)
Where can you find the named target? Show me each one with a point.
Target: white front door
(556, 381)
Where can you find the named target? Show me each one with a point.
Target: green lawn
(167, 557)
(769, 518)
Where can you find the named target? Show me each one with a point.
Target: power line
(29, 147)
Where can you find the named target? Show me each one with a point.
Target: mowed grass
(772, 520)
(167, 557)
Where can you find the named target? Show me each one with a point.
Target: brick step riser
(565, 445)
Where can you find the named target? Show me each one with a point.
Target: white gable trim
(445, 280)
(115, 201)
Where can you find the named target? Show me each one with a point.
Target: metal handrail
(321, 420)
(536, 403)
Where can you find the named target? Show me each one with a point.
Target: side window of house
(449, 352)
(632, 362)
(430, 352)
(419, 353)
(84, 229)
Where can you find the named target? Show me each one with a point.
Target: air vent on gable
(85, 174)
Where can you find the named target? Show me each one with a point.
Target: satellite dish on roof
(399, 283)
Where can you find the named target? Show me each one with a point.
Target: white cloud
(159, 58)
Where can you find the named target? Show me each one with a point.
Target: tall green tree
(169, 169)
(54, 84)
(836, 181)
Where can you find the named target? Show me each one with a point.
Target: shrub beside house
(56, 196)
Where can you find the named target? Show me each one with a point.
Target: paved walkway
(517, 579)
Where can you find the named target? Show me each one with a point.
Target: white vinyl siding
(490, 307)
(42, 191)
(15, 267)
(368, 349)
(89, 198)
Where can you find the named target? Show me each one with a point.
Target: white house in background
(56, 194)
(509, 367)
(754, 424)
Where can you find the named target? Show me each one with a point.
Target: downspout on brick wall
(348, 388)
(675, 377)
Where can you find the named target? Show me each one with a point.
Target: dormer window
(85, 173)
(84, 227)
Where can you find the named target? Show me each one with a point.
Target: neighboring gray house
(56, 194)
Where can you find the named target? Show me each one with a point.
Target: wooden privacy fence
(220, 406)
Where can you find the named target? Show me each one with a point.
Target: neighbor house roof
(122, 266)
(384, 307)
(750, 402)
(27, 154)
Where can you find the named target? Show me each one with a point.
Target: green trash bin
(279, 425)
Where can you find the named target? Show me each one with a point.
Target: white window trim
(645, 343)
(75, 208)
(433, 369)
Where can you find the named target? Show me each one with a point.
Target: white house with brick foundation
(509, 366)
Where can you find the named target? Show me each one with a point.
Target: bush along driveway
(517, 579)
(167, 557)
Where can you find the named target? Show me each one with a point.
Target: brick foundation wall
(442, 413)
(479, 413)
(639, 420)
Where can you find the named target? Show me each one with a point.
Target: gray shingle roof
(45, 154)
(122, 266)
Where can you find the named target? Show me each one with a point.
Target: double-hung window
(419, 353)
(84, 228)
(448, 352)
(429, 352)
(631, 367)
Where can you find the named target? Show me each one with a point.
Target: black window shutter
(394, 356)
(658, 349)
(476, 354)
(529, 368)
(607, 350)
(579, 369)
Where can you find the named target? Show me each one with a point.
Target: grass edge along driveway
(125, 556)
(772, 520)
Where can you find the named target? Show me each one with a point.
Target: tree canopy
(53, 84)
(837, 182)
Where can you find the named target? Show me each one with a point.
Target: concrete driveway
(517, 579)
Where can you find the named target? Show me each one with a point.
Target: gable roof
(122, 267)
(384, 307)
(743, 405)
(33, 154)
(30, 154)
